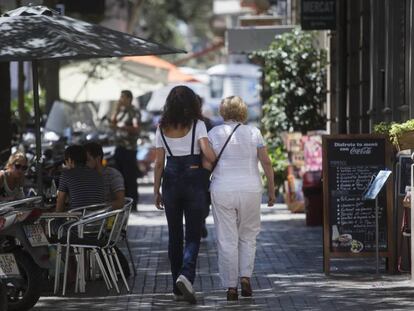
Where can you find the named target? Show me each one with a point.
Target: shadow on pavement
(288, 273)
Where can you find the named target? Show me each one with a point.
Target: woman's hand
(272, 199)
(206, 164)
(407, 200)
(159, 203)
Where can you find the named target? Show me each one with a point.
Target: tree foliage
(294, 92)
(160, 19)
(294, 85)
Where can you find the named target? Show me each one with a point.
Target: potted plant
(402, 135)
(383, 128)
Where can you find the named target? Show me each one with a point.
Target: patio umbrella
(33, 33)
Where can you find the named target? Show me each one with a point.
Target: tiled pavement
(288, 273)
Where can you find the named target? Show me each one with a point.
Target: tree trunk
(5, 124)
(134, 16)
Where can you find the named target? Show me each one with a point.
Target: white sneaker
(186, 288)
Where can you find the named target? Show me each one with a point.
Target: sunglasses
(20, 167)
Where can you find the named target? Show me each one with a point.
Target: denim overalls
(184, 193)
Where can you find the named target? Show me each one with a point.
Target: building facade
(371, 65)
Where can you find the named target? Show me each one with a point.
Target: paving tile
(288, 273)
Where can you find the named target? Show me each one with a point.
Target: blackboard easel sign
(349, 162)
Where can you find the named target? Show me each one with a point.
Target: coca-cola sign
(361, 150)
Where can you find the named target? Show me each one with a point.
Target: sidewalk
(288, 273)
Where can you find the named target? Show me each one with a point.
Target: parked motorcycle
(51, 170)
(3, 296)
(23, 253)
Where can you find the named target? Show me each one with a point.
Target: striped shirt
(84, 186)
(113, 182)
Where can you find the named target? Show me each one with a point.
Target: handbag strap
(224, 146)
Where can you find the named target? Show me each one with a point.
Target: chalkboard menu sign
(349, 164)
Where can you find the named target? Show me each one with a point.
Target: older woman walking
(181, 137)
(236, 194)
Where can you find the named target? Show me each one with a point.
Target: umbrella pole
(37, 127)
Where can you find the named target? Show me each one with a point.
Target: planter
(293, 205)
(405, 140)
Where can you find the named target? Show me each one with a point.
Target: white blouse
(237, 169)
(182, 146)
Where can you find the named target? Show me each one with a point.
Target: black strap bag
(208, 173)
(205, 173)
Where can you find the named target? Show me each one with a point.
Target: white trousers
(237, 222)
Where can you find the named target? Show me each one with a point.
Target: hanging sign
(318, 14)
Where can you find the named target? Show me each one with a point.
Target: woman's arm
(268, 170)
(208, 152)
(158, 170)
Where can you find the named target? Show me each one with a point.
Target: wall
(371, 55)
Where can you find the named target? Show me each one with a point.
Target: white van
(243, 80)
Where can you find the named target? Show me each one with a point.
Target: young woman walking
(181, 138)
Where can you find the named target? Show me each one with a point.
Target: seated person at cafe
(113, 180)
(78, 183)
(12, 178)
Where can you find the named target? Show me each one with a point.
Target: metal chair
(124, 237)
(71, 216)
(101, 242)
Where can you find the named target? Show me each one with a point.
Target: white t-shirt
(182, 146)
(237, 169)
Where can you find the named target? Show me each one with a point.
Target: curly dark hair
(181, 108)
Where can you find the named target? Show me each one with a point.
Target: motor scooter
(3, 296)
(23, 253)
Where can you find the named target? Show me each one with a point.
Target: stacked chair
(97, 231)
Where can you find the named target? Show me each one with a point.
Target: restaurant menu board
(350, 162)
